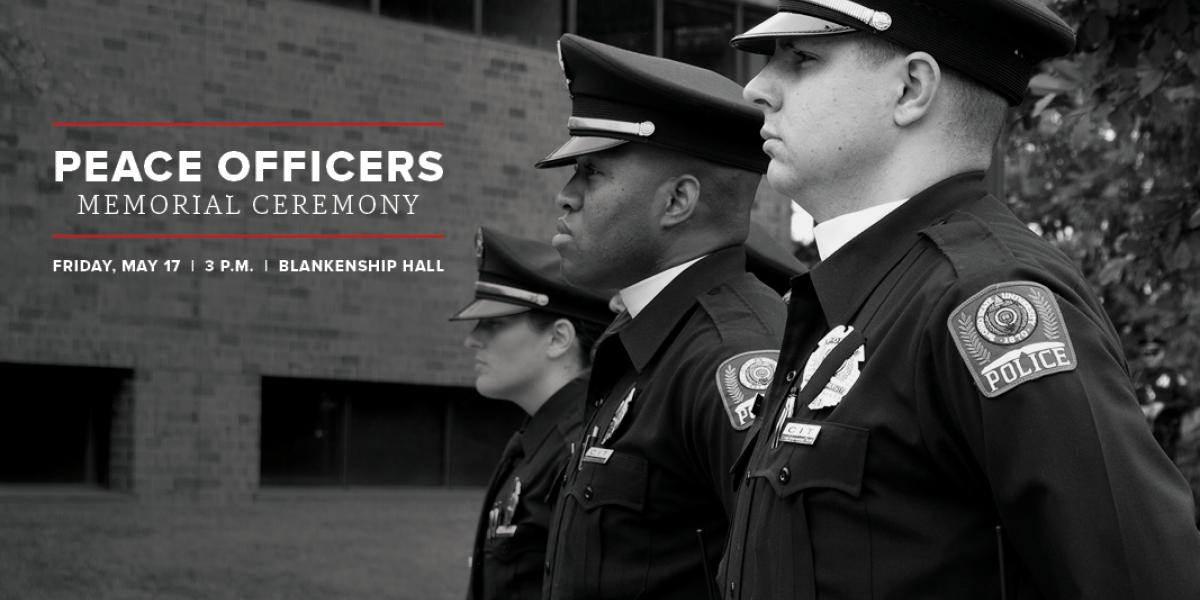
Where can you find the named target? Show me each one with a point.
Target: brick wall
(199, 343)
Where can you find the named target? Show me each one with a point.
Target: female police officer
(532, 342)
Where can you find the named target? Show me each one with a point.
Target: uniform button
(747, 475)
(588, 493)
(790, 376)
(547, 568)
(732, 589)
(785, 475)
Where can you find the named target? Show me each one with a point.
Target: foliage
(1104, 160)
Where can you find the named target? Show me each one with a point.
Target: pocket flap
(834, 458)
(620, 481)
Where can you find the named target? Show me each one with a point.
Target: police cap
(994, 42)
(618, 96)
(517, 275)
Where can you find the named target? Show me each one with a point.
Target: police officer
(952, 416)
(532, 343)
(666, 162)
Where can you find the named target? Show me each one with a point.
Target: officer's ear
(562, 338)
(922, 79)
(680, 195)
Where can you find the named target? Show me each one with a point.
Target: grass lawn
(395, 545)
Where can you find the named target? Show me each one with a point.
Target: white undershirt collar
(838, 231)
(638, 295)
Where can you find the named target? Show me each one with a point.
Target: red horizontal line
(249, 236)
(249, 124)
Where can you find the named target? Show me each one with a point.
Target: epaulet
(968, 243)
(742, 305)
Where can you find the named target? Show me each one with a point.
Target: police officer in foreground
(667, 162)
(532, 344)
(952, 416)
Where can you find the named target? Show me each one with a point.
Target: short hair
(978, 111)
(586, 332)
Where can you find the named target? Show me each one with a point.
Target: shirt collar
(845, 280)
(834, 233)
(559, 411)
(638, 295)
(643, 336)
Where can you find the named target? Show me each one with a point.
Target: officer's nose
(473, 339)
(570, 198)
(760, 90)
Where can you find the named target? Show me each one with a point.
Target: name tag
(506, 530)
(597, 454)
(800, 433)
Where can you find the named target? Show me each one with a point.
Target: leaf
(1044, 83)
(1043, 103)
(1194, 221)
(1183, 92)
(1149, 80)
(1111, 273)
(1181, 259)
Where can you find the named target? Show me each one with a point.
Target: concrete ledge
(61, 493)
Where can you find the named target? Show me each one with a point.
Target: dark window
(626, 24)
(752, 63)
(697, 32)
(321, 432)
(58, 428)
(355, 4)
(452, 14)
(524, 22)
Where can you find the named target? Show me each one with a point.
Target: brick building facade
(182, 366)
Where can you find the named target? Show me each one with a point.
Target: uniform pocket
(834, 458)
(615, 552)
(620, 481)
(513, 565)
(818, 516)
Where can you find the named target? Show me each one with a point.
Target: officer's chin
(487, 388)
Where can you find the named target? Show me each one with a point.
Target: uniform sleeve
(714, 432)
(1089, 504)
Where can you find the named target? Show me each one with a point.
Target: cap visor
(575, 147)
(760, 39)
(483, 308)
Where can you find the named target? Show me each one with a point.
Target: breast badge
(843, 379)
(1011, 333)
(740, 379)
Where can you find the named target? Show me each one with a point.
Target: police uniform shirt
(952, 418)
(669, 400)
(510, 541)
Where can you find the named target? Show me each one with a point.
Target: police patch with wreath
(1011, 333)
(740, 379)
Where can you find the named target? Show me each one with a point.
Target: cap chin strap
(512, 292)
(875, 19)
(643, 129)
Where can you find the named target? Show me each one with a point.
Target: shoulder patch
(1011, 333)
(740, 379)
